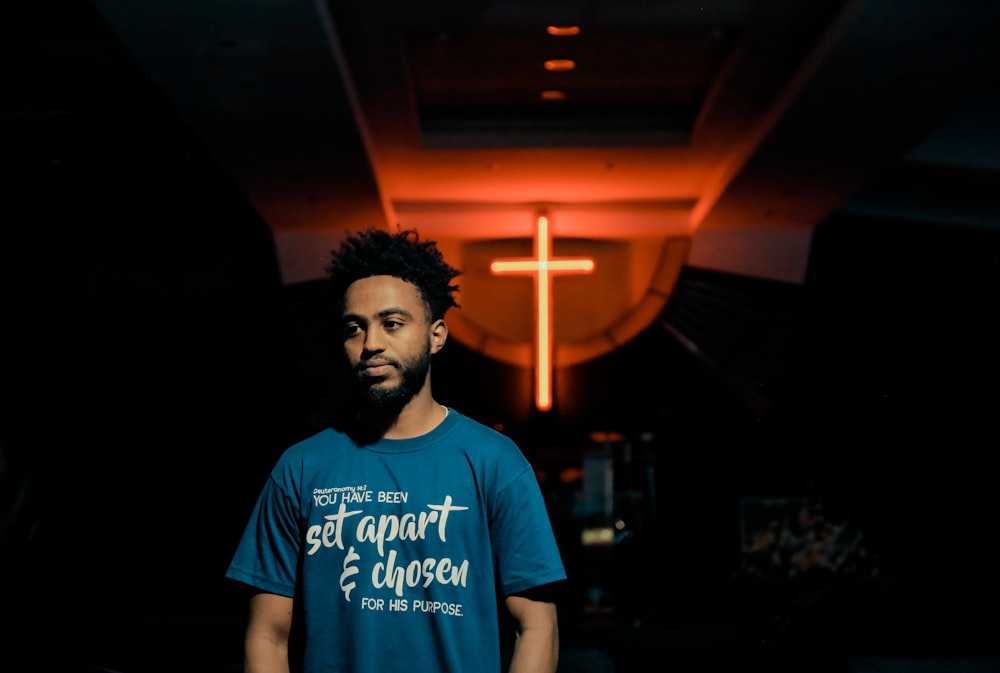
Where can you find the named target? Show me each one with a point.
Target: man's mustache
(365, 364)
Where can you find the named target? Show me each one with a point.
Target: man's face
(387, 339)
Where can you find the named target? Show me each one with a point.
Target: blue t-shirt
(395, 551)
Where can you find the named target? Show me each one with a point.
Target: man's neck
(421, 415)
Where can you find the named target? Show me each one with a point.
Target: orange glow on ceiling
(542, 266)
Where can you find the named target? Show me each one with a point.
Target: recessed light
(560, 64)
(563, 31)
(552, 94)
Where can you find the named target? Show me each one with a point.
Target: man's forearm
(265, 656)
(535, 651)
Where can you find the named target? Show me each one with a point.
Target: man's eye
(393, 324)
(351, 330)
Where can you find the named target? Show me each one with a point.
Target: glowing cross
(542, 266)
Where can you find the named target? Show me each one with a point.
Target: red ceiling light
(563, 31)
(560, 64)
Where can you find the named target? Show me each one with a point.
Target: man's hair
(375, 252)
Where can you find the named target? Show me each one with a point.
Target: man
(384, 543)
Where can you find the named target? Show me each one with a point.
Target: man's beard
(413, 376)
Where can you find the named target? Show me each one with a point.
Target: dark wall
(875, 390)
(148, 374)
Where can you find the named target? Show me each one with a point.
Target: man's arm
(265, 646)
(536, 643)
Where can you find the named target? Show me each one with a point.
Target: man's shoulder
(319, 441)
(477, 438)
(471, 425)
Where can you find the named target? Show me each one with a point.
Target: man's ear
(439, 334)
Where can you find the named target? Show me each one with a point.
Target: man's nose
(374, 342)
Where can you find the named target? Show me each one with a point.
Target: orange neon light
(542, 267)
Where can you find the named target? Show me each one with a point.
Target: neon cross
(542, 267)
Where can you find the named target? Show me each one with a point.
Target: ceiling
(742, 123)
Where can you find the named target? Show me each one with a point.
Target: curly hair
(375, 252)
